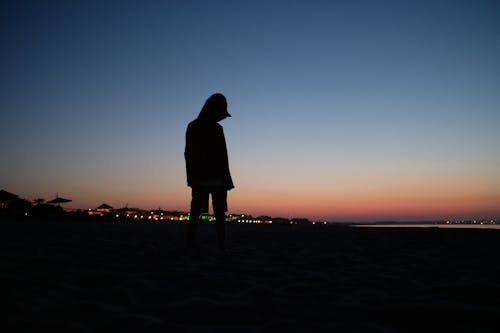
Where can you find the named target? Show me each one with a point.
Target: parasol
(104, 206)
(7, 196)
(58, 200)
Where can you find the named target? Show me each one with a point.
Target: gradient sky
(342, 110)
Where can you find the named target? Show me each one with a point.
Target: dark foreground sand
(88, 277)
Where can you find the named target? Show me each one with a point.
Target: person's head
(215, 108)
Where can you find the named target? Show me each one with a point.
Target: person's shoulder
(194, 123)
(200, 125)
(218, 128)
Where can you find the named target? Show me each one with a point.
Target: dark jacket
(206, 154)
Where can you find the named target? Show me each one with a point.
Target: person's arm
(226, 172)
(187, 156)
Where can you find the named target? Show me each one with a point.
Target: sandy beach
(95, 276)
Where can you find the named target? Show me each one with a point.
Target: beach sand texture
(91, 276)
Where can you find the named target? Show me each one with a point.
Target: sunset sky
(342, 110)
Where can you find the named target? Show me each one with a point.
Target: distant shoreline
(441, 226)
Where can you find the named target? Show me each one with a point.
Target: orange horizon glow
(329, 206)
(338, 194)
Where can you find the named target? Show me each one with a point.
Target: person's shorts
(200, 196)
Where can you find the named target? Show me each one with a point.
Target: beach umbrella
(7, 196)
(58, 200)
(104, 206)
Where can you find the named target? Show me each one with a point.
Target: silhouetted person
(207, 166)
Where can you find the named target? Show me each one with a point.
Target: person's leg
(199, 204)
(219, 202)
(220, 222)
(192, 227)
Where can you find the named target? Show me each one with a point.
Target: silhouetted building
(6, 199)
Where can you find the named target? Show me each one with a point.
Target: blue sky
(335, 103)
